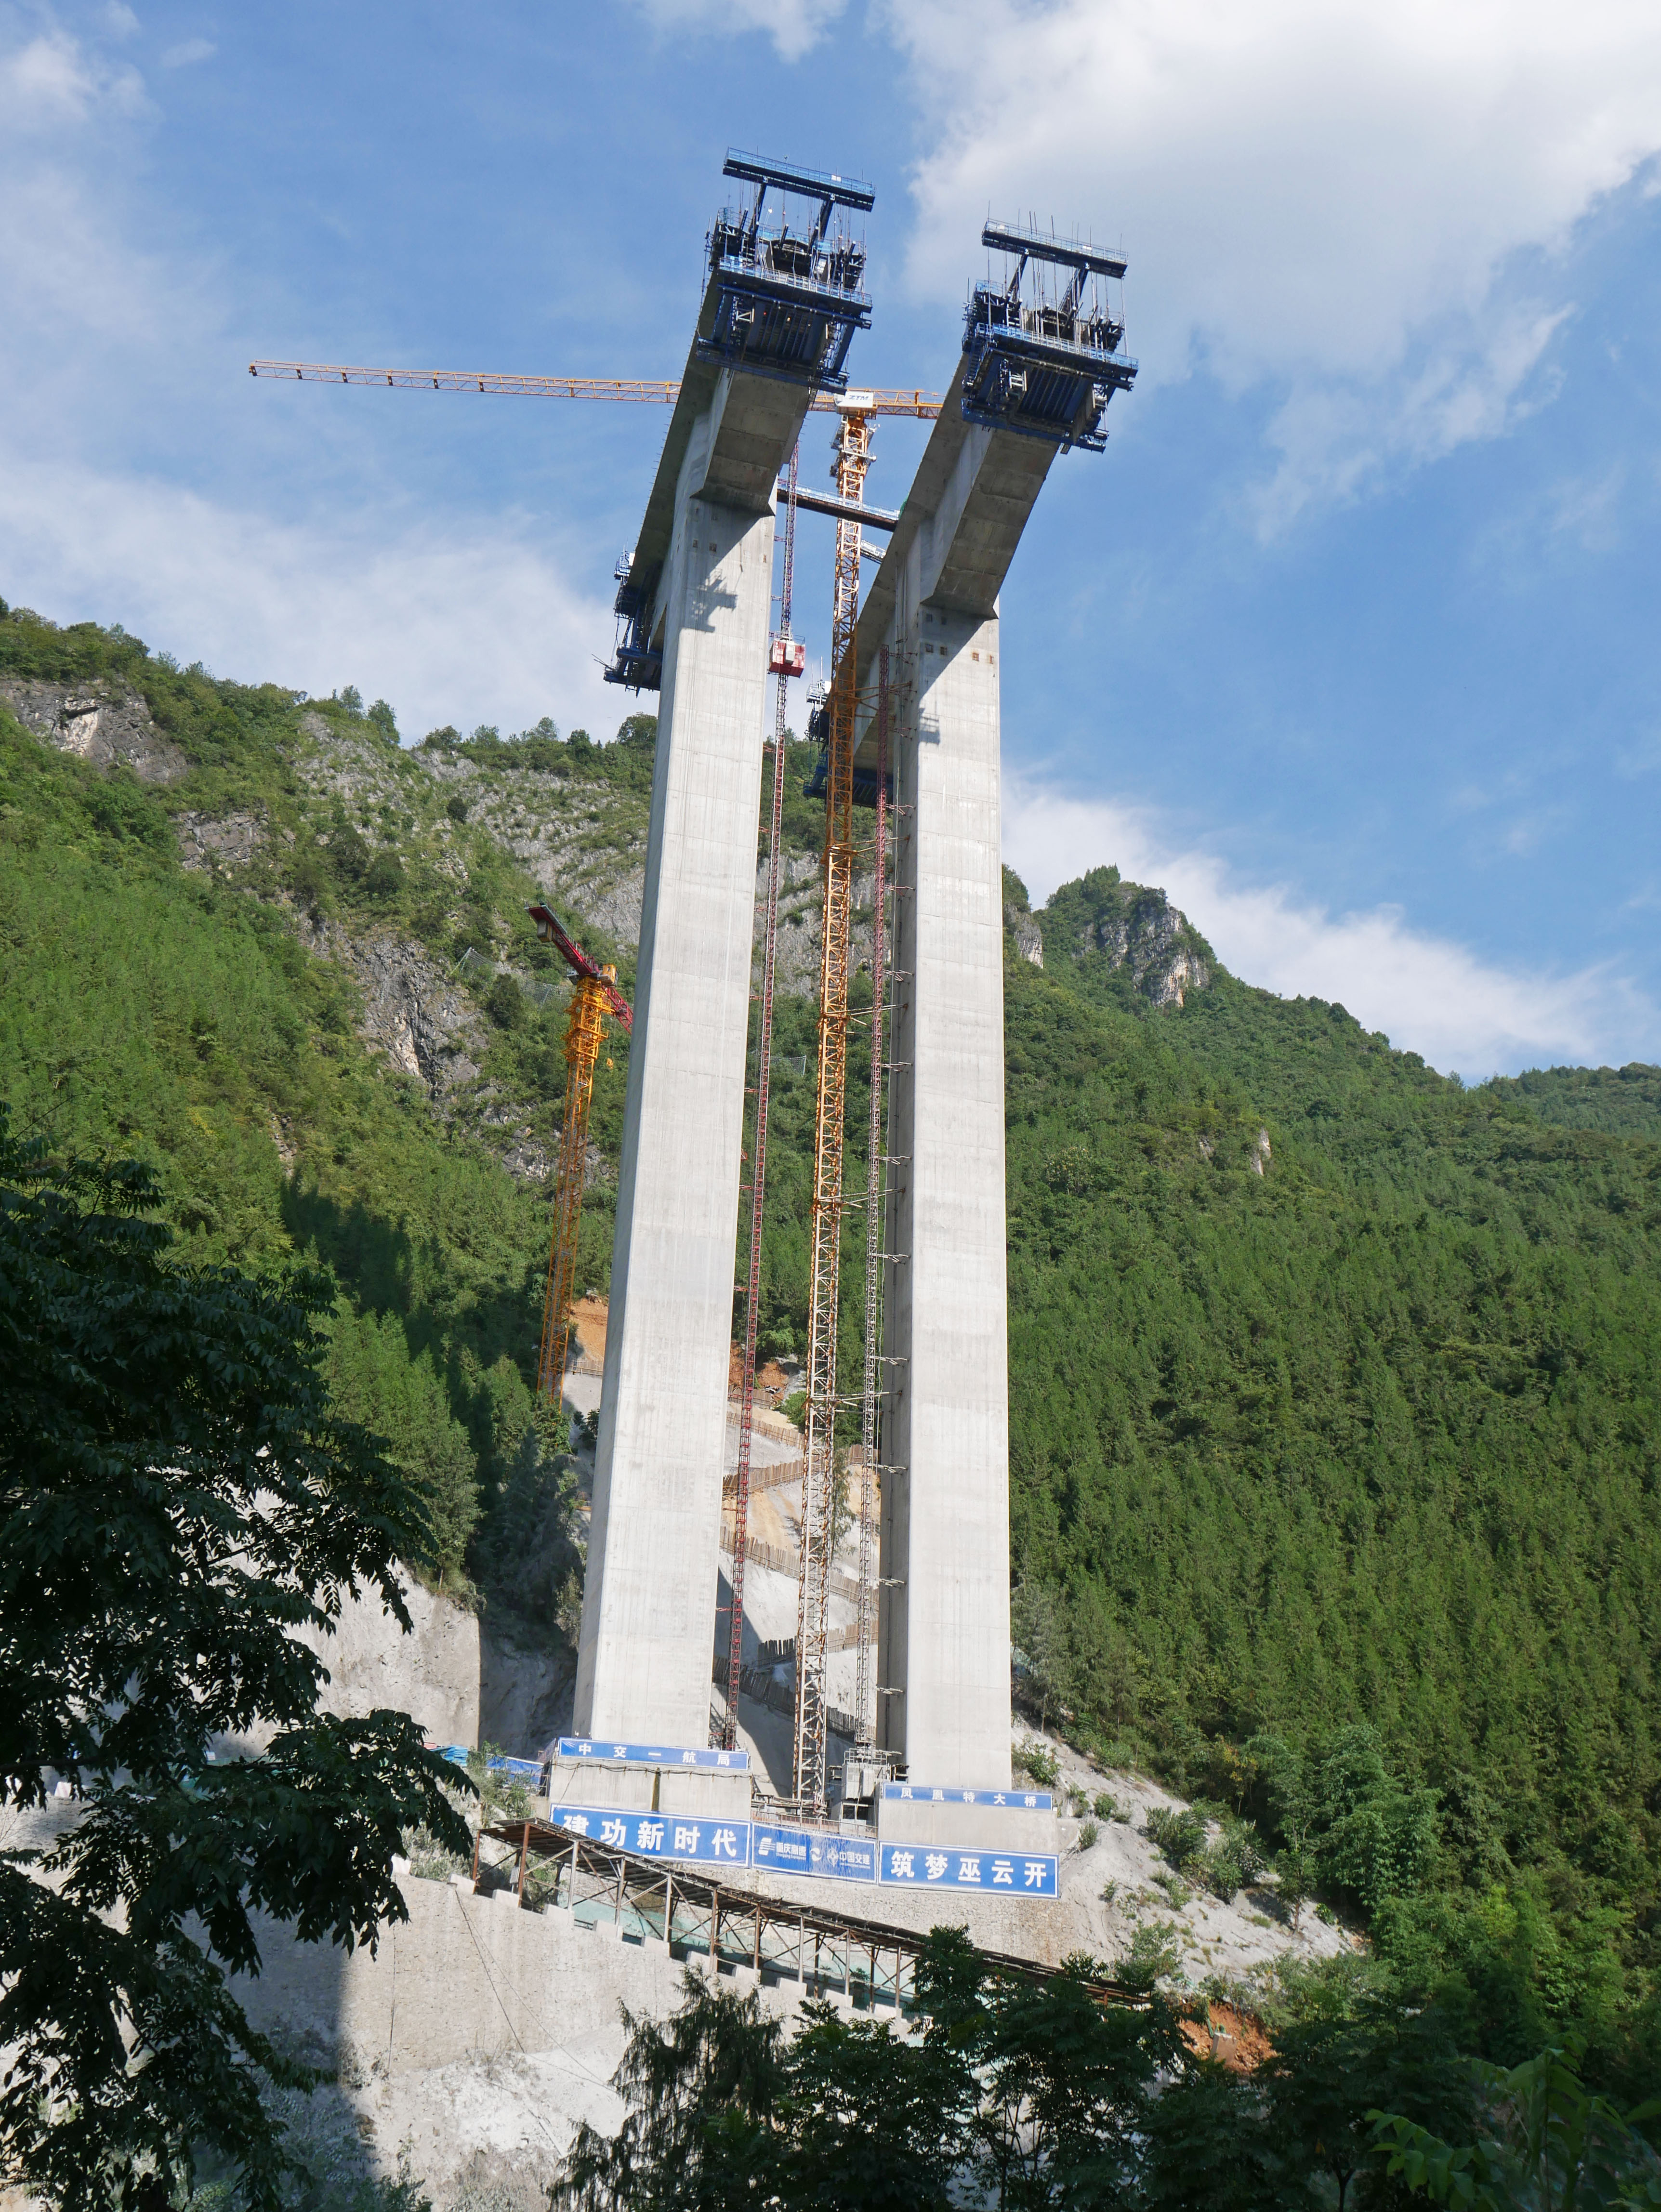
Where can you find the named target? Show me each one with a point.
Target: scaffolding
(819, 1505)
(786, 302)
(786, 659)
(870, 1398)
(1041, 356)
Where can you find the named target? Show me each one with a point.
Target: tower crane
(924, 405)
(595, 993)
(852, 459)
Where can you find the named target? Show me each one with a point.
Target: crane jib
(923, 405)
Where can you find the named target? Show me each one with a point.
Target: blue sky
(1349, 640)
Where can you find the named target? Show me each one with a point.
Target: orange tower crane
(593, 993)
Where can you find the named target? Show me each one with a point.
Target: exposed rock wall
(210, 845)
(1135, 928)
(412, 1010)
(1151, 939)
(1029, 938)
(104, 723)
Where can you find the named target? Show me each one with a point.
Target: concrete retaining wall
(467, 1977)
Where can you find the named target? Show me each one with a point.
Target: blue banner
(519, 1770)
(1028, 1801)
(807, 1851)
(1023, 1874)
(660, 1835)
(640, 1754)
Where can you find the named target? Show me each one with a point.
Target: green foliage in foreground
(1022, 2095)
(176, 1499)
(1548, 2146)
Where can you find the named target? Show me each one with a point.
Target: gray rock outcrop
(209, 845)
(103, 723)
(412, 1010)
(1140, 932)
(1023, 928)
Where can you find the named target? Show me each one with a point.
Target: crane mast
(818, 1503)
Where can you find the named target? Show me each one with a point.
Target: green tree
(1063, 2080)
(873, 2120)
(374, 1380)
(1038, 1624)
(176, 1499)
(1549, 2145)
(702, 2087)
(1204, 2142)
(1331, 2067)
(504, 1002)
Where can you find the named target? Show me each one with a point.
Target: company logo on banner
(800, 1850)
(641, 1754)
(914, 1866)
(1027, 1801)
(660, 1835)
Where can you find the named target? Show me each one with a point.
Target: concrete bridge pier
(1033, 380)
(643, 1663)
(943, 1633)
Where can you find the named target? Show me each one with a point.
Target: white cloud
(188, 51)
(450, 627)
(107, 344)
(1352, 201)
(795, 27)
(50, 82)
(1427, 993)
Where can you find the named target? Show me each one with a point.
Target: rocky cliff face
(1133, 931)
(413, 1012)
(1151, 940)
(105, 723)
(1023, 928)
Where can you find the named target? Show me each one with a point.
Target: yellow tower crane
(852, 453)
(593, 993)
(924, 405)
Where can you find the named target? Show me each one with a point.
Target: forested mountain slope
(1334, 1385)
(1338, 1392)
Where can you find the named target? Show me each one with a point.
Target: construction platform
(866, 1961)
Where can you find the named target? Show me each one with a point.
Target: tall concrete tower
(782, 301)
(1040, 361)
